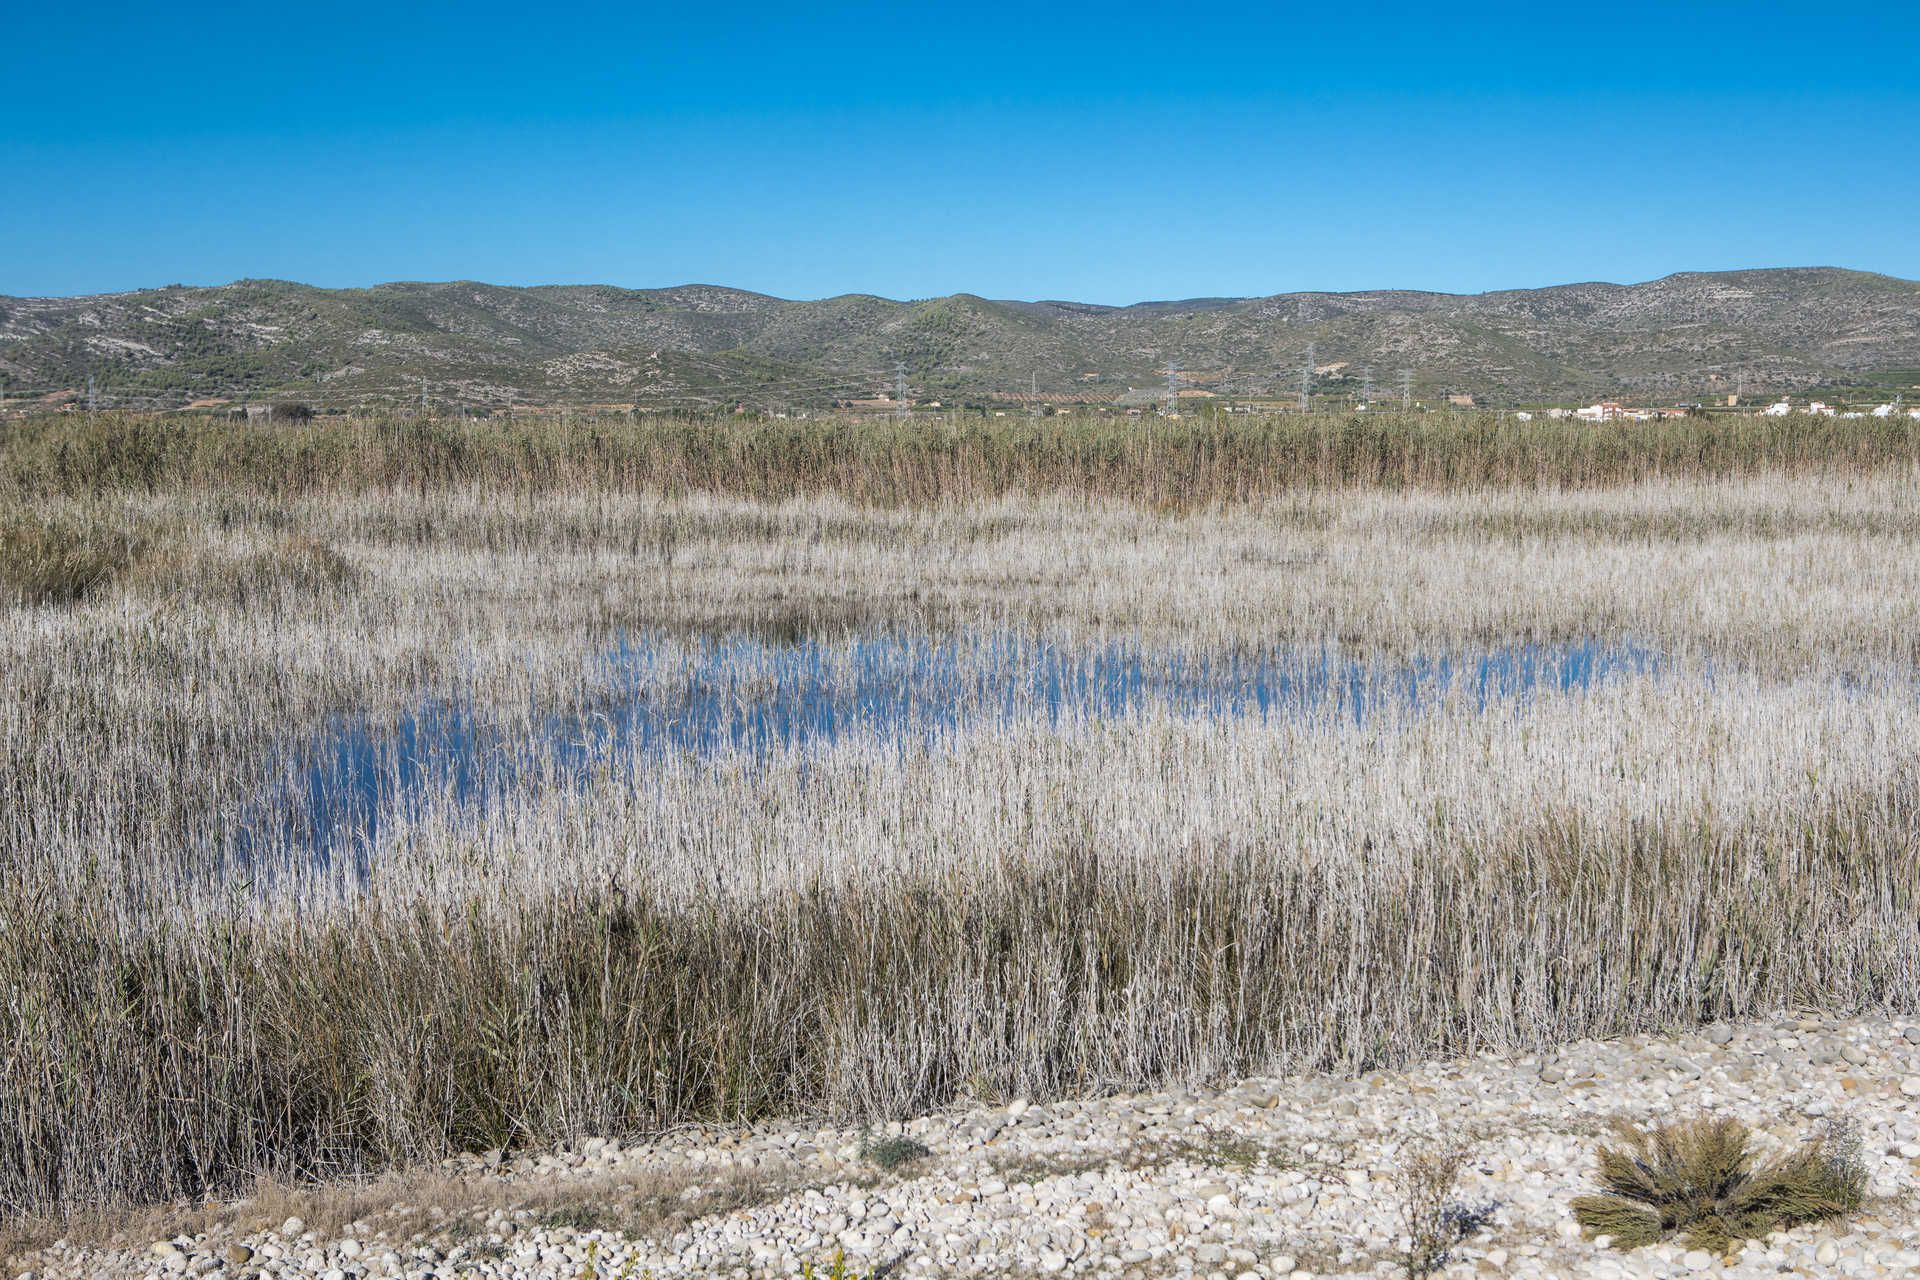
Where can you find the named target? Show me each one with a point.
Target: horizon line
(1224, 299)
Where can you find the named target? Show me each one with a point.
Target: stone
(1911, 1086)
(238, 1255)
(1827, 1254)
(1697, 1260)
(1284, 1265)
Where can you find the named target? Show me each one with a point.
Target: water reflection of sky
(747, 695)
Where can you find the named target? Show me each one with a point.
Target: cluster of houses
(1606, 411)
(1820, 409)
(1614, 411)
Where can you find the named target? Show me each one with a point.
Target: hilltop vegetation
(482, 345)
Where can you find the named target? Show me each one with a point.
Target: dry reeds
(1181, 462)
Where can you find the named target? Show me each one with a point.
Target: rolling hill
(1685, 336)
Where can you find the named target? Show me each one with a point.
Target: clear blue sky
(1105, 153)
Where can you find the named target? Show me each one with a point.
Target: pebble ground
(1297, 1176)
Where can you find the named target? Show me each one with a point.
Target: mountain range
(1688, 336)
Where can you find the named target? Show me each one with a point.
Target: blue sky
(1102, 153)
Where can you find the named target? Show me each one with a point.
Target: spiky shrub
(1698, 1180)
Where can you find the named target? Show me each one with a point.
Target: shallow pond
(746, 695)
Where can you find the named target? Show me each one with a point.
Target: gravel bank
(1262, 1178)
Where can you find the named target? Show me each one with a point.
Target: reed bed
(1023, 897)
(1183, 462)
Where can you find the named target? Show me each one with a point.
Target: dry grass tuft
(1699, 1180)
(52, 562)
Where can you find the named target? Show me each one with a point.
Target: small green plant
(892, 1153)
(1430, 1219)
(1698, 1180)
(836, 1270)
(590, 1266)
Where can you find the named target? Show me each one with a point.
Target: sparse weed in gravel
(1430, 1218)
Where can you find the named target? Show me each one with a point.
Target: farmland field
(372, 791)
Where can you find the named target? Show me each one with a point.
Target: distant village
(1614, 411)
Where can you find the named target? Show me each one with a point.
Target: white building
(1820, 409)
(1883, 411)
(1780, 410)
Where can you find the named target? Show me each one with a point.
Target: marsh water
(747, 695)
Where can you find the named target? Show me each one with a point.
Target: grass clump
(307, 565)
(1699, 1180)
(57, 562)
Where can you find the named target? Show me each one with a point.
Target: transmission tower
(92, 398)
(1306, 381)
(899, 389)
(1033, 392)
(1173, 389)
(1406, 388)
(1366, 385)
